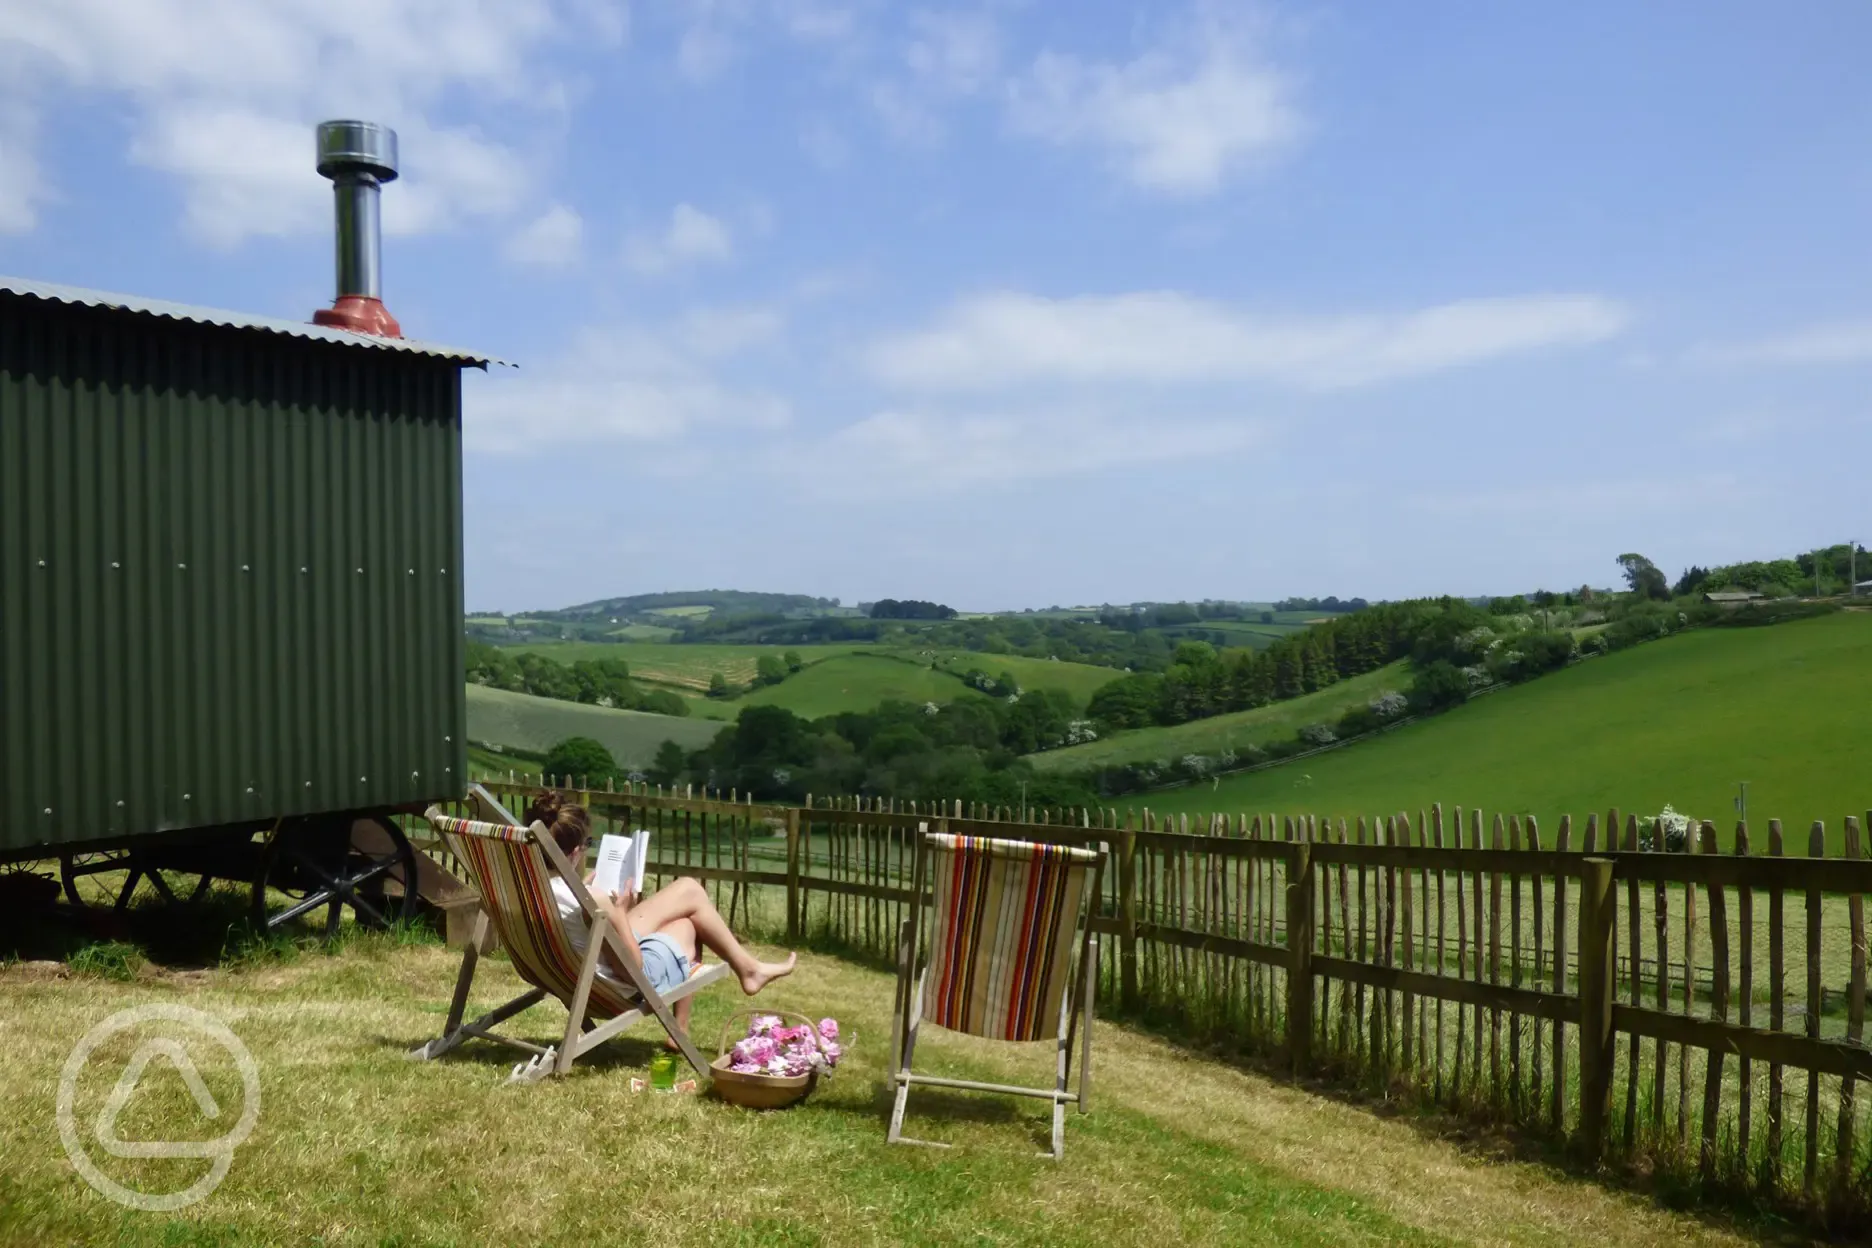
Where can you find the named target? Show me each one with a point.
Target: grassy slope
(681, 665)
(854, 682)
(1677, 721)
(836, 678)
(356, 1145)
(1208, 736)
(503, 718)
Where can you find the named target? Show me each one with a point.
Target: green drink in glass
(663, 1071)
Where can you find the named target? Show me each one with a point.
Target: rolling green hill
(1678, 721)
(836, 678)
(499, 718)
(1259, 726)
(681, 666)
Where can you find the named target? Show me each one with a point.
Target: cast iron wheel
(163, 882)
(312, 870)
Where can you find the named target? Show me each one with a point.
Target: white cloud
(629, 384)
(1839, 342)
(1167, 338)
(550, 240)
(895, 452)
(956, 52)
(1180, 119)
(223, 94)
(22, 190)
(692, 237)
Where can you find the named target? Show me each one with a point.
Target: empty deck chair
(1007, 920)
(513, 868)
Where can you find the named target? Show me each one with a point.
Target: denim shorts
(665, 966)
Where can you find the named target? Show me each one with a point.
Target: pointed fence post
(1127, 915)
(1300, 956)
(792, 876)
(1598, 914)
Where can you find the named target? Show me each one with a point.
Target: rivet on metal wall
(448, 738)
(302, 571)
(187, 797)
(115, 564)
(360, 571)
(120, 802)
(48, 810)
(181, 567)
(308, 784)
(245, 568)
(250, 788)
(361, 780)
(42, 563)
(412, 571)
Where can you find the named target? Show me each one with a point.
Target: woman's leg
(687, 903)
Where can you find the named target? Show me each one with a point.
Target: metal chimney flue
(358, 157)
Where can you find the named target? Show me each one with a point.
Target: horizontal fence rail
(1699, 1011)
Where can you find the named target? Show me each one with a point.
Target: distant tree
(669, 764)
(792, 659)
(769, 669)
(1644, 577)
(718, 686)
(580, 761)
(1691, 581)
(1267, 617)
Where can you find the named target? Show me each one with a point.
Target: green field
(1678, 721)
(854, 682)
(1081, 680)
(836, 678)
(498, 717)
(681, 666)
(1260, 726)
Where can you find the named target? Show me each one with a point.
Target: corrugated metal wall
(230, 576)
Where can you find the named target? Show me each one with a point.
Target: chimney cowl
(358, 157)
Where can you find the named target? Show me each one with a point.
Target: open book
(621, 862)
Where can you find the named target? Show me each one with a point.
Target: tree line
(595, 682)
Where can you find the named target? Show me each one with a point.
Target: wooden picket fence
(1635, 1004)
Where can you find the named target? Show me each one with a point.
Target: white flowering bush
(1318, 734)
(1227, 759)
(1389, 705)
(930, 708)
(1478, 640)
(1667, 830)
(781, 775)
(1080, 731)
(1478, 676)
(1197, 764)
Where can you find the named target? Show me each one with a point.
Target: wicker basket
(760, 1091)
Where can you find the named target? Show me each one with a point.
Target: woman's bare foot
(766, 972)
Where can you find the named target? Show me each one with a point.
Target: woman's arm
(617, 909)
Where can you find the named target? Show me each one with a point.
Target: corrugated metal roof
(57, 293)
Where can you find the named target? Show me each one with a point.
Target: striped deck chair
(1007, 918)
(513, 868)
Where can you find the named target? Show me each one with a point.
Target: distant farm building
(1732, 597)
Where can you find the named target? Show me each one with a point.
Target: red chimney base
(361, 315)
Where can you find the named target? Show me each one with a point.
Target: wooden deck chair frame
(1075, 1015)
(582, 1033)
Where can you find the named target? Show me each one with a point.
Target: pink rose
(828, 1029)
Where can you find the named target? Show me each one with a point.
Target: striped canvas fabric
(1003, 935)
(515, 883)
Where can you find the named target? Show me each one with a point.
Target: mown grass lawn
(356, 1145)
(1676, 721)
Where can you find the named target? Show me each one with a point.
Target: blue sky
(1014, 304)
